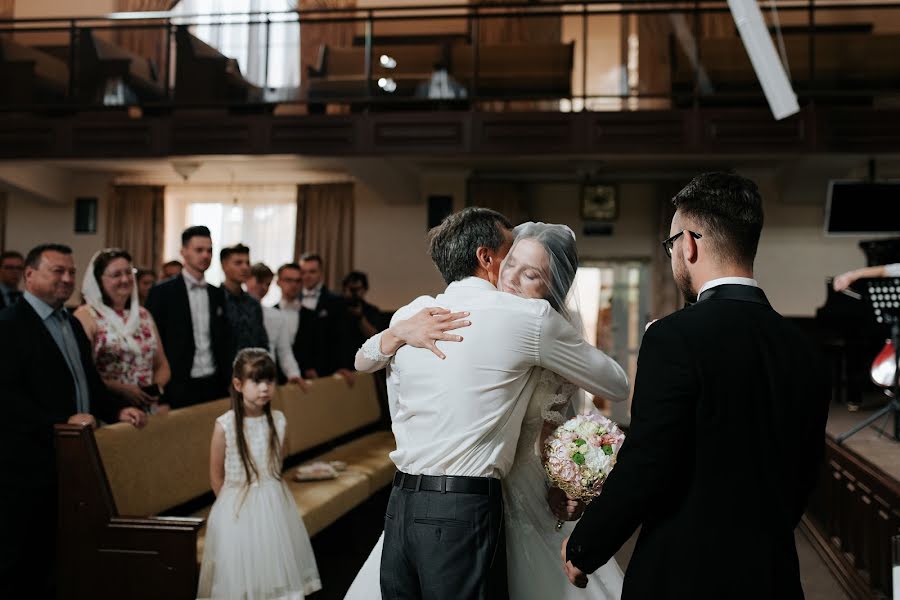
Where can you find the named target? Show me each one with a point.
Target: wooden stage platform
(855, 510)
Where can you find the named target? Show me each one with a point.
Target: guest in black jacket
(12, 265)
(323, 336)
(728, 424)
(47, 376)
(190, 316)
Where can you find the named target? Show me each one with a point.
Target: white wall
(390, 241)
(633, 232)
(32, 221)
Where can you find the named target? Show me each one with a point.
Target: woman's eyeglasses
(667, 244)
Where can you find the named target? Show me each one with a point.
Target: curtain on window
(149, 42)
(325, 227)
(7, 9)
(134, 222)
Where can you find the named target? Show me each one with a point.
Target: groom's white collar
(472, 282)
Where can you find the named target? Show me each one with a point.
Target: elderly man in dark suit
(47, 376)
(728, 424)
(190, 316)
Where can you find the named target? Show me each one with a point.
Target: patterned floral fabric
(116, 359)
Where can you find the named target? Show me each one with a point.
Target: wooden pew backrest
(163, 465)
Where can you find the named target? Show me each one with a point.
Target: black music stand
(883, 296)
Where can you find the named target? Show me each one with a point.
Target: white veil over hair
(93, 297)
(559, 275)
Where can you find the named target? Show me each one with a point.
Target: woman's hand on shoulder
(426, 328)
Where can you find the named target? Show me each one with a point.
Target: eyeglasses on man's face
(668, 243)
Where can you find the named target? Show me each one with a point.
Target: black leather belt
(453, 484)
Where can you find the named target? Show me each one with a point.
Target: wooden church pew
(203, 75)
(114, 484)
(101, 61)
(30, 76)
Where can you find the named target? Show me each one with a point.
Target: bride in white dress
(541, 264)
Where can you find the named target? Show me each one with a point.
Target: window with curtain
(231, 35)
(262, 217)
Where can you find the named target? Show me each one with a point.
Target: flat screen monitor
(862, 208)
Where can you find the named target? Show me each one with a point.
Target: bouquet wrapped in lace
(580, 455)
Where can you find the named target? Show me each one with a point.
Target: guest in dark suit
(728, 424)
(47, 376)
(244, 312)
(322, 339)
(190, 316)
(12, 265)
(366, 319)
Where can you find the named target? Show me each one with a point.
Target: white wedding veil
(93, 297)
(558, 275)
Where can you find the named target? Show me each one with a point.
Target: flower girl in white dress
(541, 264)
(257, 547)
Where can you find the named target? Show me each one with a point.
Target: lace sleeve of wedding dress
(369, 357)
(559, 394)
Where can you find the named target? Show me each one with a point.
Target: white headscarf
(93, 296)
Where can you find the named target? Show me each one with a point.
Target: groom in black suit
(728, 424)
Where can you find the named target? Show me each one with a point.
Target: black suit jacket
(323, 337)
(169, 305)
(726, 439)
(39, 392)
(3, 303)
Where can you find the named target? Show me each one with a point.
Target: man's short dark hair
(356, 277)
(453, 244)
(33, 259)
(230, 250)
(292, 265)
(261, 272)
(173, 263)
(11, 254)
(194, 231)
(312, 256)
(729, 209)
(141, 272)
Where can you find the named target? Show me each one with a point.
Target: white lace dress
(256, 547)
(533, 545)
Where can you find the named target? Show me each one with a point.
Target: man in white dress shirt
(457, 420)
(280, 324)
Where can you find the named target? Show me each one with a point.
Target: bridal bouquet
(581, 453)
